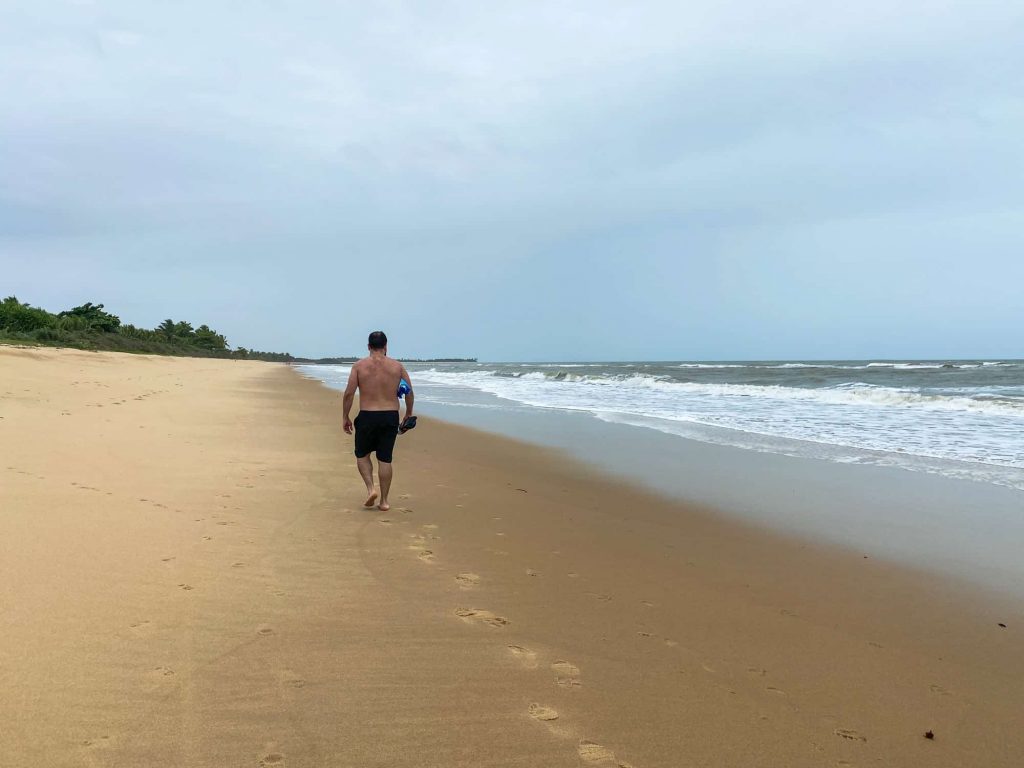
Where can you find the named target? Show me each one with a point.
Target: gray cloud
(536, 180)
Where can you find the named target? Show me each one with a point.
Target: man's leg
(384, 470)
(366, 472)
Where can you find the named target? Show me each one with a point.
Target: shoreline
(515, 608)
(952, 527)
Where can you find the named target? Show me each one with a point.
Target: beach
(188, 578)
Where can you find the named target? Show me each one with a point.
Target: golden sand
(187, 578)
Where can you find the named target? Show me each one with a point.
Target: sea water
(963, 419)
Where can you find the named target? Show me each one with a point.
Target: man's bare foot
(370, 499)
(383, 506)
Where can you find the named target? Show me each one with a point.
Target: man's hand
(347, 425)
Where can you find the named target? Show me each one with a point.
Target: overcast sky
(552, 180)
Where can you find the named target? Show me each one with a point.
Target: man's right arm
(350, 394)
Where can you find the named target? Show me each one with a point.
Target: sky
(524, 181)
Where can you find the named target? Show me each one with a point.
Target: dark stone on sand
(929, 735)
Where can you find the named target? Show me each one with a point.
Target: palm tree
(208, 338)
(183, 329)
(166, 328)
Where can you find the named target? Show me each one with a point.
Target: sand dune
(188, 578)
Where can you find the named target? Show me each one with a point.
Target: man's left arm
(410, 396)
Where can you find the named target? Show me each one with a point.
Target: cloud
(478, 149)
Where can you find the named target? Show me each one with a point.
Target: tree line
(90, 326)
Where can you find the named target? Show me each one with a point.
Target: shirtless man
(377, 378)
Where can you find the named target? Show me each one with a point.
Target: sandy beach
(187, 578)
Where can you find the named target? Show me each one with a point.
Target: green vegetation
(90, 326)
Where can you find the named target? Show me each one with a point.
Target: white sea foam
(713, 365)
(912, 421)
(854, 393)
(983, 427)
(896, 366)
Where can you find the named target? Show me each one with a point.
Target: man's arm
(350, 394)
(410, 396)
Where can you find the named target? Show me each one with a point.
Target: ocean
(963, 419)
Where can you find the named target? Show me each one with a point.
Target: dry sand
(187, 578)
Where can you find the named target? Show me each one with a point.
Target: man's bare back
(376, 378)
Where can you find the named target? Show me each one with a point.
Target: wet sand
(187, 577)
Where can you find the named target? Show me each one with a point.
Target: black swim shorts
(376, 431)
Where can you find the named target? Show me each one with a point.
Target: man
(377, 377)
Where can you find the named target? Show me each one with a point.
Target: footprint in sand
(140, 627)
(426, 556)
(538, 712)
(467, 580)
(527, 657)
(186, 587)
(238, 565)
(567, 675)
(264, 629)
(850, 734)
(482, 616)
(163, 671)
(595, 754)
(272, 758)
(291, 679)
(430, 526)
(939, 690)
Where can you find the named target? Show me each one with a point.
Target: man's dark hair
(377, 340)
